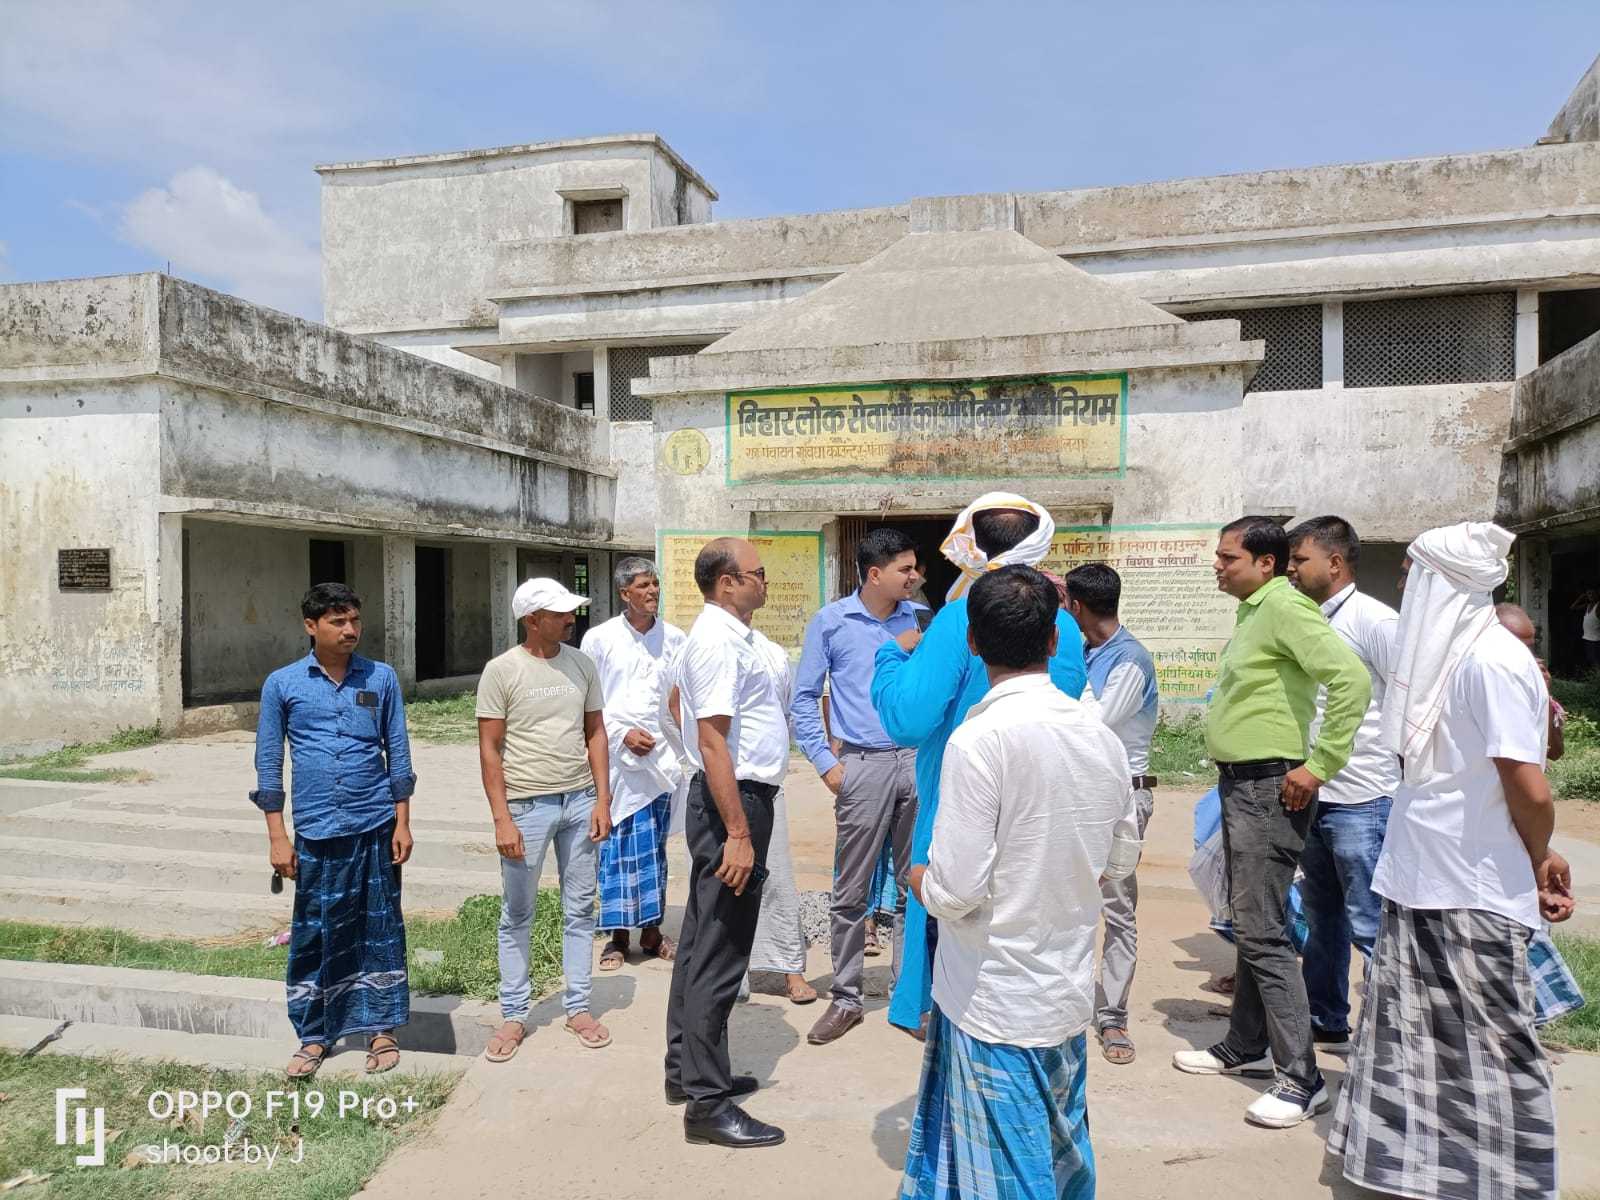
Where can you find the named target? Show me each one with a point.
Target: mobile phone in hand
(924, 619)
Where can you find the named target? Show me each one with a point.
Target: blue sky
(137, 134)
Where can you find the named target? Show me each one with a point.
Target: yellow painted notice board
(794, 580)
(1071, 426)
(1170, 600)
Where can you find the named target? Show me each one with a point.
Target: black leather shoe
(733, 1128)
(743, 1085)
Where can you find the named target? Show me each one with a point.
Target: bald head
(1518, 622)
(718, 557)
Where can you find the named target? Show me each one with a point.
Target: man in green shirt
(1281, 652)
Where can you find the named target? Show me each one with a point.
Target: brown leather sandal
(505, 1042)
(304, 1055)
(380, 1046)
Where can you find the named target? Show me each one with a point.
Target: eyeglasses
(760, 573)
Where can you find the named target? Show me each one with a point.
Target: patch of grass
(1576, 774)
(66, 764)
(1579, 1030)
(339, 1155)
(443, 719)
(469, 967)
(1178, 752)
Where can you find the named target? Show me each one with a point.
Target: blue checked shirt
(347, 744)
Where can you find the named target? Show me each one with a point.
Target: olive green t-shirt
(542, 701)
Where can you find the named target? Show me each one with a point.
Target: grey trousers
(1263, 842)
(1120, 951)
(877, 800)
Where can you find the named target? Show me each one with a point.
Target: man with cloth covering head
(924, 683)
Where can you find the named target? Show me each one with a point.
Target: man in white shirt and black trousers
(1346, 837)
(736, 734)
(1036, 809)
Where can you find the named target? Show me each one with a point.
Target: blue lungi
(633, 868)
(999, 1122)
(347, 942)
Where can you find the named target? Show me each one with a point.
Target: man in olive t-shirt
(546, 770)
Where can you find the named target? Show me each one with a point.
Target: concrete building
(1333, 339)
(177, 466)
(545, 354)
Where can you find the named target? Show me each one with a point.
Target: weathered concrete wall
(1579, 118)
(471, 638)
(633, 445)
(411, 243)
(78, 468)
(243, 621)
(1553, 459)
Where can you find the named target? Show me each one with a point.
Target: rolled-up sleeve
(397, 742)
(269, 794)
(1126, 844)
(961, 857)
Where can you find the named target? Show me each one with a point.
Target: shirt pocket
(358, 721)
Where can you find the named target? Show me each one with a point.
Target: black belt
(852, 748)
(761, 791)
(1259, 768)
(1144, 782)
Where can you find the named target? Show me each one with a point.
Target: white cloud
(214, 231)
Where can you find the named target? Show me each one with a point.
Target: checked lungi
(347, 942)
(999, 1122)
(1448, 1093)
(633, 868)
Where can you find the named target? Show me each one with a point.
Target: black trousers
(713, 948)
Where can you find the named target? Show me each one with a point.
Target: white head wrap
(1447, 607)
(961, 547)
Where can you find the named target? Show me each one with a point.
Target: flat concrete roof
(581, 143)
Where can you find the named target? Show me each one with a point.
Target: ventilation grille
(1430, 339)
(1293, 334)
(628, 363)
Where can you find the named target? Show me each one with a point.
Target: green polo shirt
(1282, 648)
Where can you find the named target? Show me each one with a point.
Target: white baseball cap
(544, 595)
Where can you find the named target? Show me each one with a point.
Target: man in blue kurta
(925, 683)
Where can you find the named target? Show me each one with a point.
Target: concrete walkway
(576, 1123)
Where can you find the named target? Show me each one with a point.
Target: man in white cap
(546, 770)
(1448, 1092)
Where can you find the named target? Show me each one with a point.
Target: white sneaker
(1207, 1062)
(1286, 1105)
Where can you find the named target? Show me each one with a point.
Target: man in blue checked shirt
(346, 725)
(873, 780)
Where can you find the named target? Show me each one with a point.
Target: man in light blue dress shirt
(873, 780)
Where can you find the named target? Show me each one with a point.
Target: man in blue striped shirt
(345, 723)
(873, 780)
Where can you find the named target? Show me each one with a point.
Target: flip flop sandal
(666, 949)
(595, 1037)
(1117, 1042)
(612, 957)
(509, 1043)
(806, 997)
(376, 1054)
(315, 1060)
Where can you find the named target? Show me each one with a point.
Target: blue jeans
(563, 819)
(1341, 909)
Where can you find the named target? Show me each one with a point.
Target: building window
(583, 391)
(628, 363)
(1293, 334)
(1565, 319)
(327, 562)
(1422, 340)
(596, 216)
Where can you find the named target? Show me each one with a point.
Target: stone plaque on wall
(84, 569)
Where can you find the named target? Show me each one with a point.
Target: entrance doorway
(927, 532)
(433, 573)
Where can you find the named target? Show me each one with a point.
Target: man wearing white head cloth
(1449, 1093)
(921, 697)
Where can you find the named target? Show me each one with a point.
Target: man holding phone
(737, 738)
(873, 780)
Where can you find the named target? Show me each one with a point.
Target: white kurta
(636, 673)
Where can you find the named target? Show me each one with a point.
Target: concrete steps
(214, 1005)
(200, 1049)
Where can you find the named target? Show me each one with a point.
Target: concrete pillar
(602, 383)
(1533, 587)
(400, 607)
(1333, 344)
(502, 586)
(168, 621)
(1527, 331)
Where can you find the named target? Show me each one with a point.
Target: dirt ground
(578, 1123)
